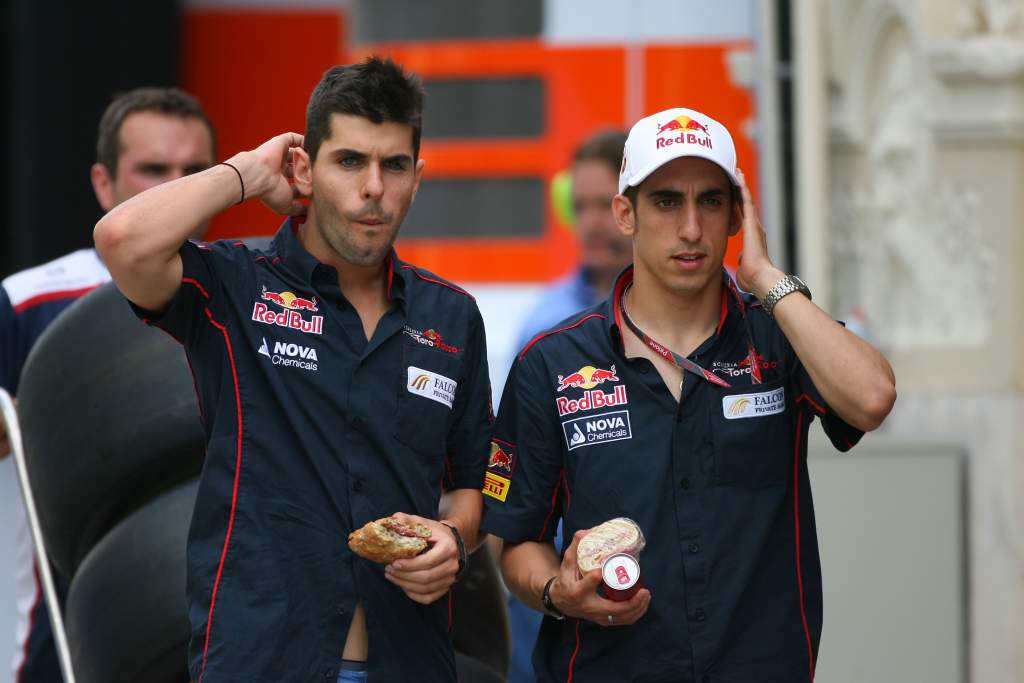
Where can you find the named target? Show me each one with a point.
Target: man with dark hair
(683, 404)
(338, 385)
(147, 136)
(604, 251)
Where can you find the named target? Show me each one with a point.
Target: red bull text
(591, 400)
(291, 319)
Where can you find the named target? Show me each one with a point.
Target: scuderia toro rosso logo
(291, 317)
(587, 378)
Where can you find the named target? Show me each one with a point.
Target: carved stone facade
(926, 174)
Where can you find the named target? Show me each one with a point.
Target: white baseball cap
(658, 139)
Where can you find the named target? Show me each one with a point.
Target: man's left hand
(756, 273)
(426, 577)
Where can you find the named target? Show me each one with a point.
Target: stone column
(926, 183)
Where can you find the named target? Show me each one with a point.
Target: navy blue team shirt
(717, 482)
(313, 431)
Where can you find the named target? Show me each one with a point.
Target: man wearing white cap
(682, 403)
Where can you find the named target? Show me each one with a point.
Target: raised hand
(756, 273)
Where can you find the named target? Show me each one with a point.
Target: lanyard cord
(684, 362)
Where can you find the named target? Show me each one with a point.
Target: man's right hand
(268, 171)
(577, 597)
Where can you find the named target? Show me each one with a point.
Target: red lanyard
(684, 362)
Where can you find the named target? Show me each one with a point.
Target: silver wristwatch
(787, 285)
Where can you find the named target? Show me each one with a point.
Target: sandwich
(619, 535)
(386, 540)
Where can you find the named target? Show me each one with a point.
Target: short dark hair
(170, 101)
(376, 89)
(606, 146)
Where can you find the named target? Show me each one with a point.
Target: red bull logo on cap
(685, 131)
(290, 318)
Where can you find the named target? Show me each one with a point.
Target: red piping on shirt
(560, 329)
(438, 282)
(234, 491)
(796, 522)
(36, 602)
(575, 652)
(53, 296)
(451, 618)
(814, 404)
(554, 498)
(193, 281)
(724, 313)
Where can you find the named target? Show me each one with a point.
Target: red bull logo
(499, 459)
(591, 400)
(687, 130)
(587, 377)
(290, 318)
(289, 300)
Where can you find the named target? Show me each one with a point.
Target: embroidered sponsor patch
(586, 377)
(431, 338)
(597, 429)
(431, 385)
(591, 400)
(754, 405)
(290, 355)
(503, 456)
(496, 486)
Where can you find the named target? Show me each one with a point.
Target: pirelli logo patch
(754, 405)
(496, 486)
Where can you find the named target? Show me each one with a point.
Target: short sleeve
(470, 431)
(523, 488)
(201, 282)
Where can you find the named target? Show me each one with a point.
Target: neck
(681, 321)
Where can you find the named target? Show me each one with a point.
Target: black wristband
(240, 181)
(463, 556)
(549, 604)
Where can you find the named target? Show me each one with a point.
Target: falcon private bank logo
(682, 130)
(291, 317)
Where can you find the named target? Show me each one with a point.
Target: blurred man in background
(604, 251)
(147, 136)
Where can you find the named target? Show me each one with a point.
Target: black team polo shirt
(313, 431)
(717, 482)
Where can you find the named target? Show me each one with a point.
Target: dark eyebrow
(404, 159)
(340, 154)
(711, 194)
(155, 167)
(657, 195)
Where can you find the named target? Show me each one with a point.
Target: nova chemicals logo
(597, 429)
(290, 355)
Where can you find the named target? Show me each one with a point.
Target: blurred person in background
(683, 404)
(604, 250)
(147, 136)
(394, 410)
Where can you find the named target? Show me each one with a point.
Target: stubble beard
(337, 231)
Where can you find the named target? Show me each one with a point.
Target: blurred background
(884, 143)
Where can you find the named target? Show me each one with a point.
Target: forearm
(852, 376)
(464, 511)
(526, 567)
